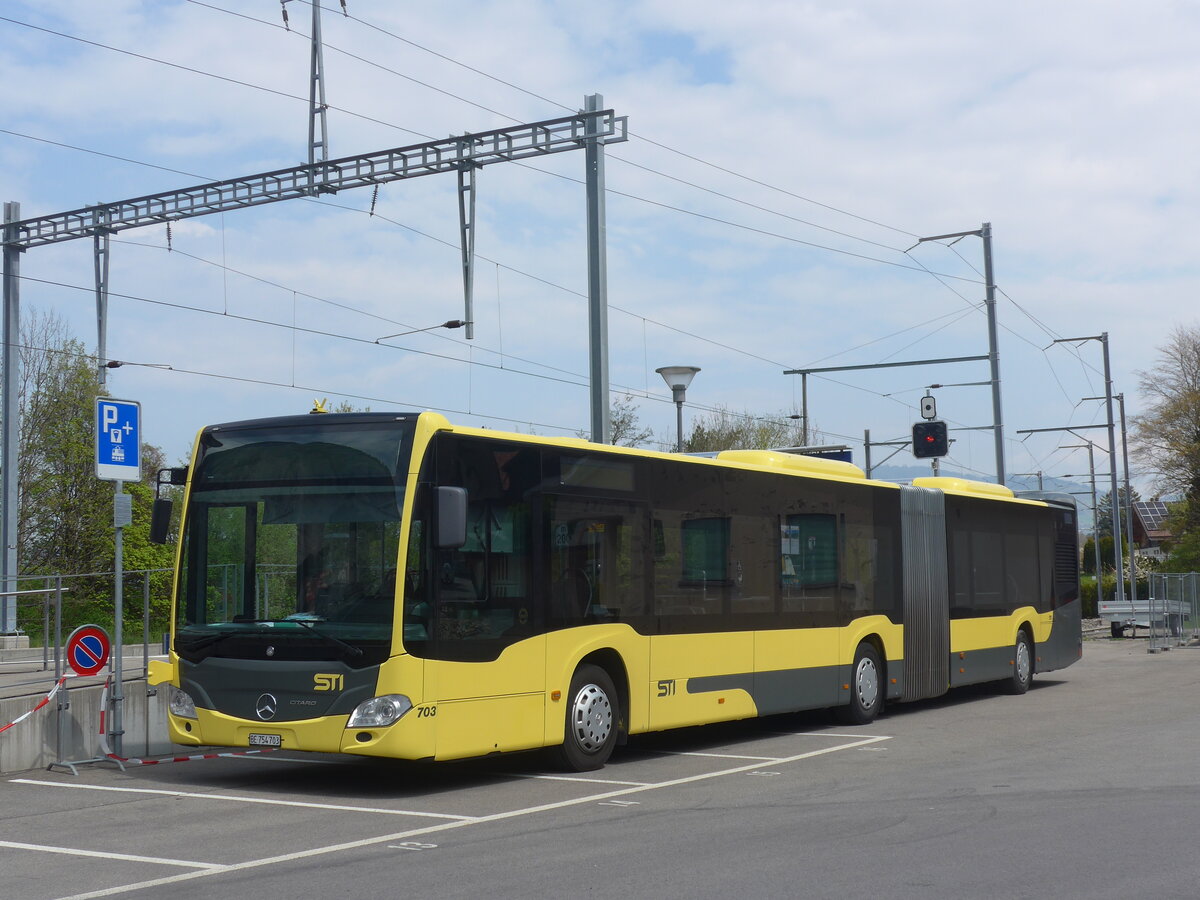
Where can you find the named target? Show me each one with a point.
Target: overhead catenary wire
(420, 134)
(564, 106)
(693, 335)
(206, 74)
(581, 382)
(954, 316)
(465, 100)
(378, 121)
(325, 391)
(938, 276)
(1002, 325)
(450, 244)
(424, 234)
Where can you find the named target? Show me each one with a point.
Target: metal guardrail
(35, 615)
(56, 592)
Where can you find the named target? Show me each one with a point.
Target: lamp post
(678, 378)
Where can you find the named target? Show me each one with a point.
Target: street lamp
(678, 378)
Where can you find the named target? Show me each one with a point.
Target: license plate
(266, 740)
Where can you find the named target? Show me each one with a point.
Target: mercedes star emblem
(265, 706)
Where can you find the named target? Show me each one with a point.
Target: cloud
(837, 136)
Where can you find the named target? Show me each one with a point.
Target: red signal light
(930, 439)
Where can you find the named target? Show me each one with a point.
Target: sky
(783, 160)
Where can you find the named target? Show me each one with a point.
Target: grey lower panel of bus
(1065, 644)
(926, 593)
(791, 690)
(245, 687)
(978, 666)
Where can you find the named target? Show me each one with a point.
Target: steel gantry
(329, 176)
(590, 129)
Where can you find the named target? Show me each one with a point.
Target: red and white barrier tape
(45, 700)
(134, 761)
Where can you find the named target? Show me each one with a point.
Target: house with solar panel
(1150, 529)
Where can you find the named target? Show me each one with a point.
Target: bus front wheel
(1022, 673)
(866, 687)
(592, 719)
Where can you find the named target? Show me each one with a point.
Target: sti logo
(328, 682)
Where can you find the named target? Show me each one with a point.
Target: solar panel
(1153, 514)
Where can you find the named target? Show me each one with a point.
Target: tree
(627, 430)
(724, 429)
(1167, 435)
(1107, 555)
(65, 516)
(1183, 554)
(1104, 511)
(625, 427)
(65, 512)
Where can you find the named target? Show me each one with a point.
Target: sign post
(118, 459)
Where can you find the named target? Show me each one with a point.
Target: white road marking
(730, 756)
(448, 826)
(581, 780)
(235, 799)
(124, 857)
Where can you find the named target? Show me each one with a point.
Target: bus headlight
(182, 704)
(379, 712)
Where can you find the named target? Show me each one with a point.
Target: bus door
(485, 658)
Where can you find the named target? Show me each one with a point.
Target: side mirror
(451, 517)
(160, 520)
(160, 515)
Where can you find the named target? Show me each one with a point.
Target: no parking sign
(87, 649)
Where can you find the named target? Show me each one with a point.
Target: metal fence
(50, 607)
(1174, 609)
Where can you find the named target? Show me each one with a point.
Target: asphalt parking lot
(1087, 785)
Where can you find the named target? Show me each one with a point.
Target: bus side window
(810, 566)
(483, 587)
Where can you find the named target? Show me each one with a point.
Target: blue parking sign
(118, 439)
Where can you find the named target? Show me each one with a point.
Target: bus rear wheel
(866, 687)
(1022, 674)
(591, 721)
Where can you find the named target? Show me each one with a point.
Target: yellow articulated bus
(392, 585)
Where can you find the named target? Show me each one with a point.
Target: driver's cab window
(484, 599)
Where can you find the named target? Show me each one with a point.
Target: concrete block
(67, 728)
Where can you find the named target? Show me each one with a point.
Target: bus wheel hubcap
(866, 681)
(591, 718)
(1022, 661)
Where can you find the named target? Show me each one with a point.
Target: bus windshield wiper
(329, 638)
(210, 639)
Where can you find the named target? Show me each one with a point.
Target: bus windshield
(291, 537)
